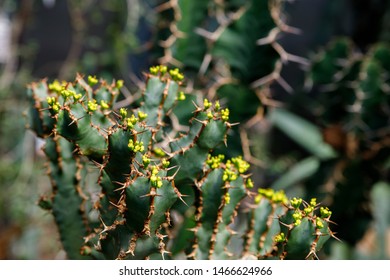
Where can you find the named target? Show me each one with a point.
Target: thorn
(329, 221)
(154, 194)
(170, 178)
(178, 193)
(206, 34)
(172, 167)
(205, 64)
(138, 132)
(119, 183)
(105, 228)
(130, 251)
(291, 30)
(312, 252)
(180, 197)
(161, 236)
(124, 186)
(198, 109)
(198, 184)
(75, 120)
(332, 234)
(319, 233)
(285, 56)
(251, 193)
(272, 36)
(252, 206)
(77, 151)
(192, 229)
(43, 109)
(107, 132)
(97, 164)
(233, 124)
(164, 6)
(262, 81)
(115, 205)
(282, 82)
(202, 122)
(170, 155)
(290, 227)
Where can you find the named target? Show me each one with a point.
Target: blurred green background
(323, 131)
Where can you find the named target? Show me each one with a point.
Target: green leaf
(303, 132)
(298, 172)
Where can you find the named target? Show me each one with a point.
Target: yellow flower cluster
(92, 105)
(159, 152)
(155, 180)
(296, 202)
(165, 163)
(158, 68)
(176, 75)
(227, 198)
(325, 212)
(104, 105)
(249, 183)
(142, 116)
(131, 122)
(207, 104)
(234, 167)
(241, 165)
(54, 104)
(214, 162)
(297, 216)
(123, 112)
(56, 86)
(136, 146)
(145, 160)
(280, 238)
(92, 80)
(181, 96)
(225, 114)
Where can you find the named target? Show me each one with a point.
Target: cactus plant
(147, 171)
(234, 54)
(231, 51)
(345, 140)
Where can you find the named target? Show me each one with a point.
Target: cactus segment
(286, 230)
(118, 163)
(40, 121)
(67, 201)
(191, 165)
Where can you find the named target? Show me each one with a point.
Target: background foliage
(312, 102)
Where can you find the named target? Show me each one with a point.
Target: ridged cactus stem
(68, 200)
(144, 176)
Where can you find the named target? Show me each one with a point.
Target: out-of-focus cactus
(147, 172)
(346, 97)
(235, 39)
(231, 50)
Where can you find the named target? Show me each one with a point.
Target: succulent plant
(148, 171)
